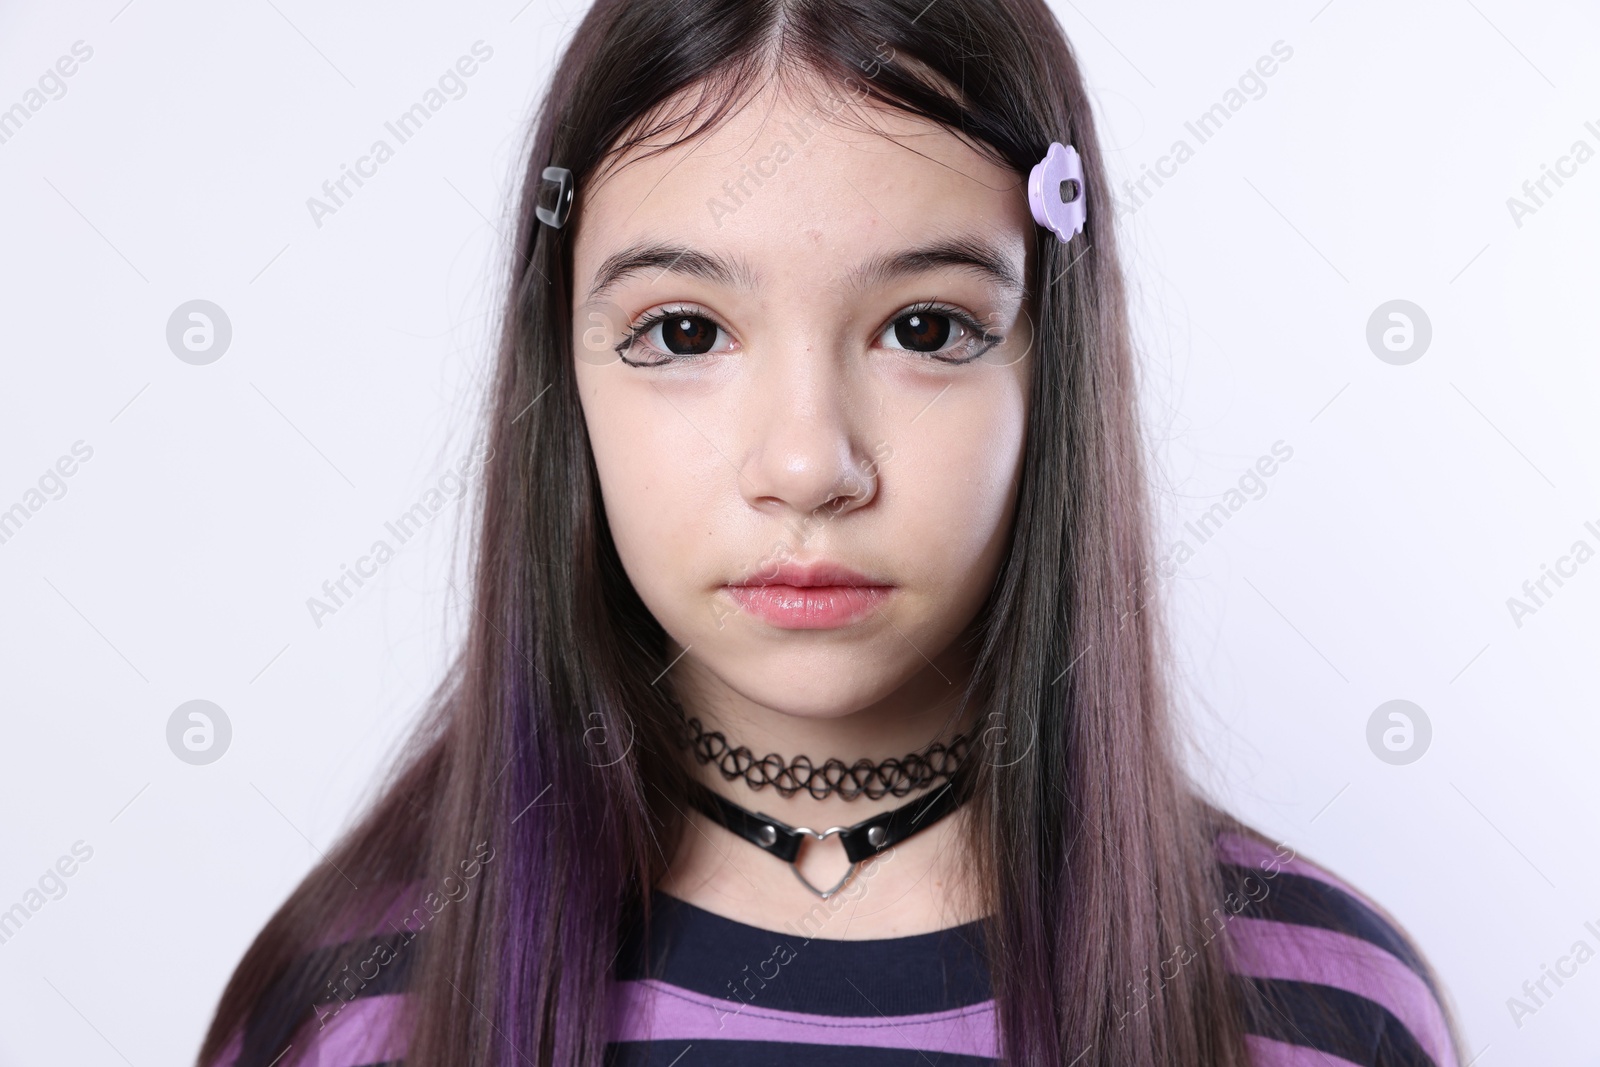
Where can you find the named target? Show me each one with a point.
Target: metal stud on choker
(861, 840)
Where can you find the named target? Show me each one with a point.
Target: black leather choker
(861, 840)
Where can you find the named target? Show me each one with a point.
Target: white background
(1376, 166)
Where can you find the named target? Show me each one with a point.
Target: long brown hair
(548, 745)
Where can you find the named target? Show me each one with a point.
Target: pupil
(922, 332)
(688, 336)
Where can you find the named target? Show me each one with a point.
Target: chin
(826, 686)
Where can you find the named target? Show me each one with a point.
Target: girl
(813, 707)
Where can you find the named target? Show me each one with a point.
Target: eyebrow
(679, 259)
(960, 253)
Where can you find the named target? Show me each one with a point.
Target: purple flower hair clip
(1055, 192)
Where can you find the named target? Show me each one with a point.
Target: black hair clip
(557, 216)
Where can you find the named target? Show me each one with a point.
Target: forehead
(803, 181)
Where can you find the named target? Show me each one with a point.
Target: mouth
(815, 596)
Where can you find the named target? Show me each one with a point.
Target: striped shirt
(1341, 987)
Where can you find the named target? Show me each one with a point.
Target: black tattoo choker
(873, 780)
(861, 841)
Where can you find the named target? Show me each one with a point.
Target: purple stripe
(1249, 852)
(365, 1030)
(1265, 1052)
(1267, 949)
(655, 1010)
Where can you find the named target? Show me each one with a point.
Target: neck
(925, 882)
(924, 710)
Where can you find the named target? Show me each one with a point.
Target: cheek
(654, 477)
(957, 484)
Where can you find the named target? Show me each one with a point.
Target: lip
(812, 596)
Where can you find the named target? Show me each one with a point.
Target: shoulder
(343, 1001)
(1331, 978)
(363, 1032)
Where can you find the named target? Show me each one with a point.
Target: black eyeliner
(960, 316)
(956, 314)
(659, 316)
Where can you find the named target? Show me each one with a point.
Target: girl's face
(803, 356)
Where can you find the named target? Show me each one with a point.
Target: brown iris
(688, 335)
(922, 331)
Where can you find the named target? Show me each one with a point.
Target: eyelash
(978, 333)
(661, 315)
(955, 314)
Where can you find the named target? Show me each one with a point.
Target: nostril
(853, 491)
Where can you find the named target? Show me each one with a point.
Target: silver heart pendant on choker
(861, 840)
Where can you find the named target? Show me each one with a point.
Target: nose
(803, 448)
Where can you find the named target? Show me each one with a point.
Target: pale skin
(804, 426)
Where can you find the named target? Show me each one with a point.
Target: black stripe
(777, 1054)
(1305, 901)
(720, 957)
(1332, 1020)
(368, 967)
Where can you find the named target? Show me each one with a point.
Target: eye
(670, 335)
(939, 332)
(923, 331)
